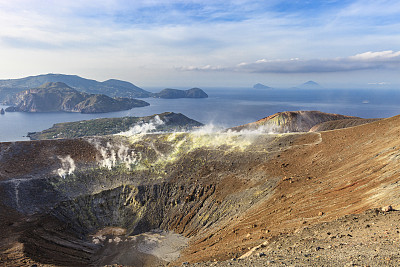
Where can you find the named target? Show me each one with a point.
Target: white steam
(119, 153)
(214, 129)
(261, 129)
(113, 155)
(67, 166)
(143, 127)
(208, 129)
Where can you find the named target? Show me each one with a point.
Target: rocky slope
(370, 238)
(112, 87)
(54, 97)
(340, 124)
(227, 192)
(175, 93)
(291, 121)
(167, 121)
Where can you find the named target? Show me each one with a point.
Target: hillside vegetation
(112, 87)
(55, 97)
(175, 93)
(167, 121)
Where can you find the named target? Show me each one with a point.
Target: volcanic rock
(57, 194)
(291, 121)
(340, 124)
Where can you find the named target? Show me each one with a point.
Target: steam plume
(143, 127)
(67, 166)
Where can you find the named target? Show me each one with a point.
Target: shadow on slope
(226, 192)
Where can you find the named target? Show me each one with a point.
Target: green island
(167, 121)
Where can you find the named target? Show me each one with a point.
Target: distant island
(175, 93)
(113, 88)
(57, 96)
(167, 121)
(309, 85)
(261, 86)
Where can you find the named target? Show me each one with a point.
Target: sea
(226, 107)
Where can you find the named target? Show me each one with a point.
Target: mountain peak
(260, 86)
(112, 87)
(309, 85)
(54, 85)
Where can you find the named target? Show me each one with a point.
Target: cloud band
(364, 61)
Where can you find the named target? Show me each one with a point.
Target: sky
(237, 43)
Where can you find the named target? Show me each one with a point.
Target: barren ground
(295, 199)
(367, 239)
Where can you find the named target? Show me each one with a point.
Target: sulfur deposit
(210, 196)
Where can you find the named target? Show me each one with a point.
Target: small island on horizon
(261, 86)
(309, 85)
(169, 93)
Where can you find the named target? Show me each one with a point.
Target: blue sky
(205, 43)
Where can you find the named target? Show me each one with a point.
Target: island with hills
(167, 121)
(176, 93)
(113, 88)
(57, 96)
(309, 85)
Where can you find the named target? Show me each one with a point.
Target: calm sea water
(226, 107)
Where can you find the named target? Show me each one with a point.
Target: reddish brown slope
(335, 173)
(291, 121)
(340, 124)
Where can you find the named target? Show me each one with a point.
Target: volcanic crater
(217, 194)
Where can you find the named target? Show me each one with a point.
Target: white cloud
(140, 40)
(371, 8)
(382, 55)
(379, 83)
(364, 61)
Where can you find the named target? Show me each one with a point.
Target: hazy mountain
(175, 93)
(260, 86)
(54, 97)
(309, 85)
(112, 87)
